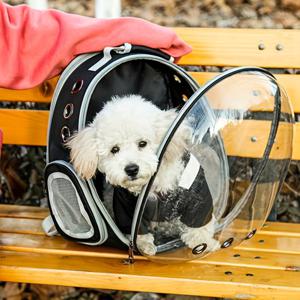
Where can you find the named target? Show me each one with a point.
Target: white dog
(122, 143)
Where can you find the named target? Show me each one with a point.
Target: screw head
(228, 273)
(256, 93)
(261, 46)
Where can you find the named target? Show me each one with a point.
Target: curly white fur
(128, 131)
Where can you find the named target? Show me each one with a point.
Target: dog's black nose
(131, 170)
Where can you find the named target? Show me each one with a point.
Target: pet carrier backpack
(236, 191)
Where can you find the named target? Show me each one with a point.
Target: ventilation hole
(257, 257)
(68, 110)
(228, 273)
(77, 86)
(65, 133)
(236, 255)
(185, 98)
(261, 241)
(177, 78)
(227, 243)
(250, 234)
(249, 275)
(199, 249)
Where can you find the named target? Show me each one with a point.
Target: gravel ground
(204, 13)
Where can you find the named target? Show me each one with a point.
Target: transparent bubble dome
(222, 163)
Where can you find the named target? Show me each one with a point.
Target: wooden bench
(265, 267)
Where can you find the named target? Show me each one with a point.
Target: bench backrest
(279, 49)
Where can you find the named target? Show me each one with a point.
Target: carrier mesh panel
(68, 209)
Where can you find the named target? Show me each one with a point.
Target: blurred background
(203, 13)
(21, 168)
(218, 13)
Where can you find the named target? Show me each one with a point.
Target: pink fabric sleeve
(36, 45)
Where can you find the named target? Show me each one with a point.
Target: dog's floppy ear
(84, 157)
(179, 141)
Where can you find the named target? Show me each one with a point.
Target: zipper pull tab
(130, 260)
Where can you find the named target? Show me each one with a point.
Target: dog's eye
(115, 149)
(142, 144)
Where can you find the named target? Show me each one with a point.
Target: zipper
(130, 260)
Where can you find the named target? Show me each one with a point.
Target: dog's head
(122, 142)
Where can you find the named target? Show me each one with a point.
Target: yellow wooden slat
(252, 259)
(189, 278)
(27, 127)
(41, 93)
(42, 244)
(39, 213)
(296, 142)
(24, 127)
(238, 256)
(291, 84)
(22, 211)
(282, 228)
(275, 244)
(21, 225)
(278, 238)
(238, 139)
(238, 47)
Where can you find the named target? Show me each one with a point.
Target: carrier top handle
(126, 48)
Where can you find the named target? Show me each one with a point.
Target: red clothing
(36, 45)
